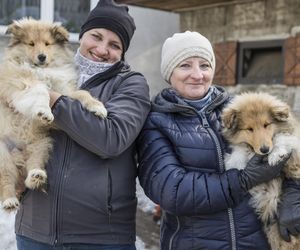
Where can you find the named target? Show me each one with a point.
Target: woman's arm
(178, 191)
(127, 110)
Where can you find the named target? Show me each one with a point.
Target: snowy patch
(144, 203)
(7, 231)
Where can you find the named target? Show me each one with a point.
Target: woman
(90, 201)
(181, 152)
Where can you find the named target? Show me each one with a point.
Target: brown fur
(262, 124)
(36, 59)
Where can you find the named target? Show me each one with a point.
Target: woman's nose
(102, 49)
(196, 73)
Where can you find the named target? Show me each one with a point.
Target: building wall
(249, 20)
(152, 28)
(3, 44)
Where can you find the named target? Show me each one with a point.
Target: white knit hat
(182, 46)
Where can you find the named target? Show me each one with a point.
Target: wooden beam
(171, 5)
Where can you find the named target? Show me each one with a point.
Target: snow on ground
(144, 203)
(7, 235)
(139, 244)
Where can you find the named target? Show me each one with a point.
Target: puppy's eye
(47, 44)
(250, 129)
(266, 125)
(31, 43)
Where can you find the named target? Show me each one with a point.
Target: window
(16, 9)
(260, 62)
(71, 13)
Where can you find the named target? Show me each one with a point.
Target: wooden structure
(292, 61)
(174, 5)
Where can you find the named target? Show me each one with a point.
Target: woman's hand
(289, 210)
(258, 171)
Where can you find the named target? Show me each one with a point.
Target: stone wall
(249, 20)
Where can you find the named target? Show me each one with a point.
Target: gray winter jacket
(92, 170)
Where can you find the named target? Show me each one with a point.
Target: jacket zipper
(222, 169)
(109, 190)
(232, 228)
(58, 193)
(174, 234)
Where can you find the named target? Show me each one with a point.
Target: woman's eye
(31, 44)
(204, 66)
(184, 65)
(266, 125)
(116, 46)
(250, 129)
(47, 44)
(95, 36)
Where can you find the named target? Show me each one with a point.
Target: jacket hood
(169, 101)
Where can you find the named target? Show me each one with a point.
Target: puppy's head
(254, 119)
(36, 42)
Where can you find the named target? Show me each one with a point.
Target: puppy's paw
(10, 204)
(36, 179)
(44, 115)
(97, 108)
(277, 155)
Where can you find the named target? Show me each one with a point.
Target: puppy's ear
(60, 34)
(16, 31)
(229, 118)
(280, 112)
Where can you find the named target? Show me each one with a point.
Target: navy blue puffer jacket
(181, 168)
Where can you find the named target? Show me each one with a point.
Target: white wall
(153, 27)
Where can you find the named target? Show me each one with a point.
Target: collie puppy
(36, 60)
(262, 124)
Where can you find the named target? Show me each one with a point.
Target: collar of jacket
(119, 67)
(168, 101)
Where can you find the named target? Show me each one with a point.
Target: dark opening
(260, 62)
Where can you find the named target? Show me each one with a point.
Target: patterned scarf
(201, 103)
(88, 68)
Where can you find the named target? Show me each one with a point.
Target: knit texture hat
(114, 17)
(182, 46)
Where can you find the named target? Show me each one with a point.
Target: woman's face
(192, 78)
(101, 45)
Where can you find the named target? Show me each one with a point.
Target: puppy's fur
(260, 123)
(36, 60)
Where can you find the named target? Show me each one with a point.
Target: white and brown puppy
(262, 124)
(36, 60)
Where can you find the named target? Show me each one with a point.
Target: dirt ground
(147, 230)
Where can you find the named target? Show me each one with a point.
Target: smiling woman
(192, 78)
(188, 67)
(101, 45)
(91, 191)
(181, 152)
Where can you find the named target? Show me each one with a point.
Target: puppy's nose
(264, 149)
(41, 57)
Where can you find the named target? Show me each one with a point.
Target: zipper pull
(204, 120)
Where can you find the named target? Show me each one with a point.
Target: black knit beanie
(114, 17)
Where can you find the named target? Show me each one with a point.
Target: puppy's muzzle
(264, 149)
(42, 58)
